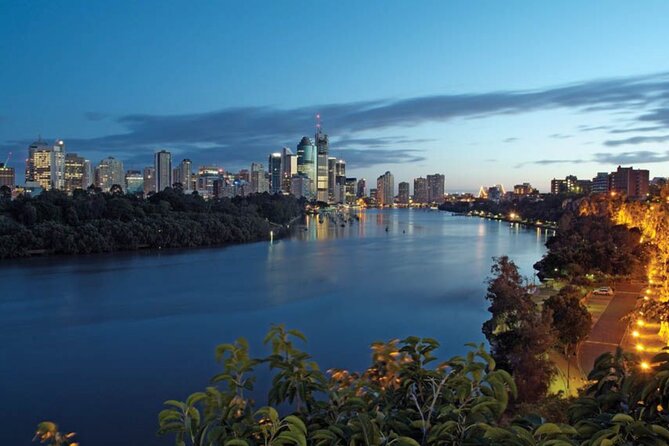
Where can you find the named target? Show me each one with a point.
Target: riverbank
(509, 218)
(89, 223)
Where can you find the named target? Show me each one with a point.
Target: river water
(97, 343)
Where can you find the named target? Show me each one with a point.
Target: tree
(570, 319)
(5, 192)
(519, 335)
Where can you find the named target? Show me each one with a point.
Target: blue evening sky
(483, 91)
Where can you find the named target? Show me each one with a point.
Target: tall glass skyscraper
(306, 162)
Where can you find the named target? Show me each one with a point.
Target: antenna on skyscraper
(7, 160)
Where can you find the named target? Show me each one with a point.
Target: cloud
(638, 129)
(95, 116)
(636, 140)
(639, 157)
(509, 140)
(559, 136)
(586, 128)
(627, 158)
(236, 136)
(550, 161)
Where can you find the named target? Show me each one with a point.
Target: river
(97, 343)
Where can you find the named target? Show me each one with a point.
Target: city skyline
(475, 99)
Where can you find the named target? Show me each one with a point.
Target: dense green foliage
(407, 397)
(91, 221)
(546, 207)
(520, 336)
(590, 244)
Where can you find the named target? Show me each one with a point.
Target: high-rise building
(259, 180)
(420, 190)
(206, 176)
(275, 178)
(301, 186)
(385, 190)
(38, 145)
(361, 188)
(600, 184)
(58, 165)
(109, 172)
(340, 182)
(306, 162)
(46, 165)
(332, 177)
(134, 182)
(88, 178)
(350, 190)
(183, 175)
(631, 182)
(74, 172)
(288, 168)
(403, 193)
(163, 166)
(435, 188)
(149, 177)
(7, 176)
(322, 149)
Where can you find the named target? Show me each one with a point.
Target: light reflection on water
(102, 332)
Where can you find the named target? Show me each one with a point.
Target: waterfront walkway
(608, 329)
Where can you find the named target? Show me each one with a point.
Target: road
(608, 331)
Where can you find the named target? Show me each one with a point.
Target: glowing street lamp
(644, 365)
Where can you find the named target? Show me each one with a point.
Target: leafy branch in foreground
(408, 398)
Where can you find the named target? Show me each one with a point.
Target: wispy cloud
(238, 135)
(635, 157)
(636, 140)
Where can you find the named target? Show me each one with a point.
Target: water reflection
(126, 318)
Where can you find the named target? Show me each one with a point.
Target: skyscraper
(109, 172)
(38, 145)
(46, 165)
(74, 172)
(58, 165)
(88, 178)
(259, 181)
(420, 190)
(163, 168)
(288, 168)
(306, 163)
(435, 188)
(385, 190)
(362, 186)
(275, 178)
(350, 192)
(322, 148)
(403, 193)
(332, 175)
(149, 175)
(340, 181)
(184, 175)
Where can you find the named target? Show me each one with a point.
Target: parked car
(604, 291)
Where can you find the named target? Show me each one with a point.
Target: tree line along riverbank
(94, 222)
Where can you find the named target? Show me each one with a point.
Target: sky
(485, 92)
